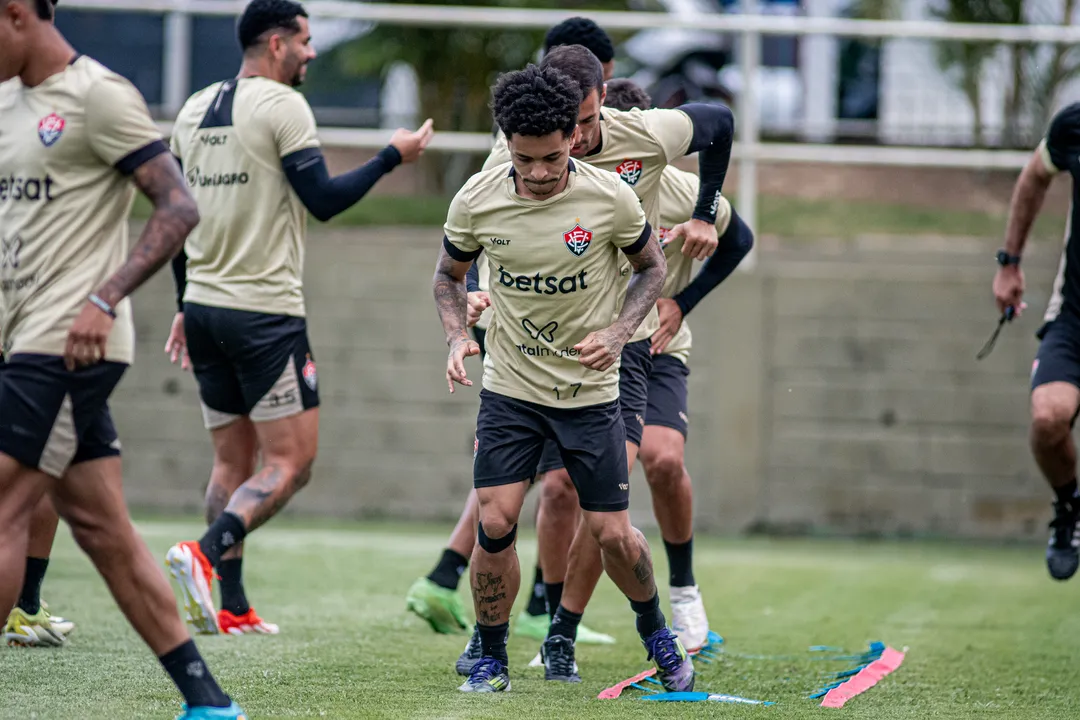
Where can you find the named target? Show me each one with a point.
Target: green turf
(787, 217)
(989, 634)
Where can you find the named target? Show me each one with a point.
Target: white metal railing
(750, 26)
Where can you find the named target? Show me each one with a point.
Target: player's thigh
(667, 404)
(276, 367)
(593, 444)
(1055, 375)
(509, 441)
(211, 335)
(236, 447)
(291, 440)
(634, 370)
(90, 498)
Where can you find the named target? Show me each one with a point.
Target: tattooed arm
(600, 349)
(175, 215)
(452, 303)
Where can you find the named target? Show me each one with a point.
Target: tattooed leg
(626, 555)
(235, 452)
(496, 576)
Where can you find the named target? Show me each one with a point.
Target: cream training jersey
(678, 196)
(556, 274)
(636, 145)
(248, 251)
(67, 148)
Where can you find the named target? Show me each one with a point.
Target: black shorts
(480, 334)
(51, 418)
(637, 362)
(248, 363)
(510, 437)
(667, 406)
(1058, 358)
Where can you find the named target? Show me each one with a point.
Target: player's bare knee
(1051, 422)
(303, 475)
(664, 470)
(558, 494)
(97, 539)
(613, 531)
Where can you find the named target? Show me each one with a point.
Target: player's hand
(176, 345)
(478, 303)
(599, 350)
(87, 337)
(411, 144)
(670, 322)
(1009, 289)
(460, 348)
(699, 238)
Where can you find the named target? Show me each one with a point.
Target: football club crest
(50, 128)
(662, 235)
(630, 171)
(309, 373)
(577, 239)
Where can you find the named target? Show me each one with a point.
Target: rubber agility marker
(865, 679)
(707, 654)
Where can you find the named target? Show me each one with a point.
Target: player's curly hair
(261, 16)
(581, 31)
(623, 94)
(535, 102)
(577, 63)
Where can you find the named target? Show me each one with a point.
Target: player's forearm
(451, 299)
(645, 287)
(1027, 200)
(734, 245)
(326, 197)
(175, 216)
(714, 133)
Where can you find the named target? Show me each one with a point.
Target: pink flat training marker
(867, 678)
(616, 690)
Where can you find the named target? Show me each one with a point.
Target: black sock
(564, 623)
(681, 561)
(1067, 493)
(451, 566)
(649, 617)
(553, 591)
(233, 598)
(493, 641)
(30, 599)
(193, 679)
(227, 530)
(537, 601)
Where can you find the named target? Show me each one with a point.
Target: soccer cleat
(470, 656)
(248, 623)
(194, 574)
(535, 627)
(441, 607)
(1063, 550)
(688, 618)
(233, 712)
(557, 654)
(674, 668)
(37, 630)
(488, 676)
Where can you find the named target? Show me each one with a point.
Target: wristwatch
(1005, 258)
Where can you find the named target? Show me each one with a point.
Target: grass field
(989, 634)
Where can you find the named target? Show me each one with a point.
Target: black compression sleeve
(734, 245)
(472, 279)
(714, 132)
(179, 273)
(324, 196)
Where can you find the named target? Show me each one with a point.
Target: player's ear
(603, 94)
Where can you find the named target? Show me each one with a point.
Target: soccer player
(434, 597)
(251, 154)
(637, 146)
(1055, 374)
(663, 441)
(553, 231)
(74, 136)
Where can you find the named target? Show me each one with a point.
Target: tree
(456, 67)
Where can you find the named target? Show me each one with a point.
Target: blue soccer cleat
(233, 712)
(674, 668)
(488, 676)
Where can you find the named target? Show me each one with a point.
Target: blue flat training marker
(705, 697)
(654, 681)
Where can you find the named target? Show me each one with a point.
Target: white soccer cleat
(688, 618)
(193, 573)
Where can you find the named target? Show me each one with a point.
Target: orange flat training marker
(866, 678)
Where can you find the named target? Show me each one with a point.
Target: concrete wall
(834, 389)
